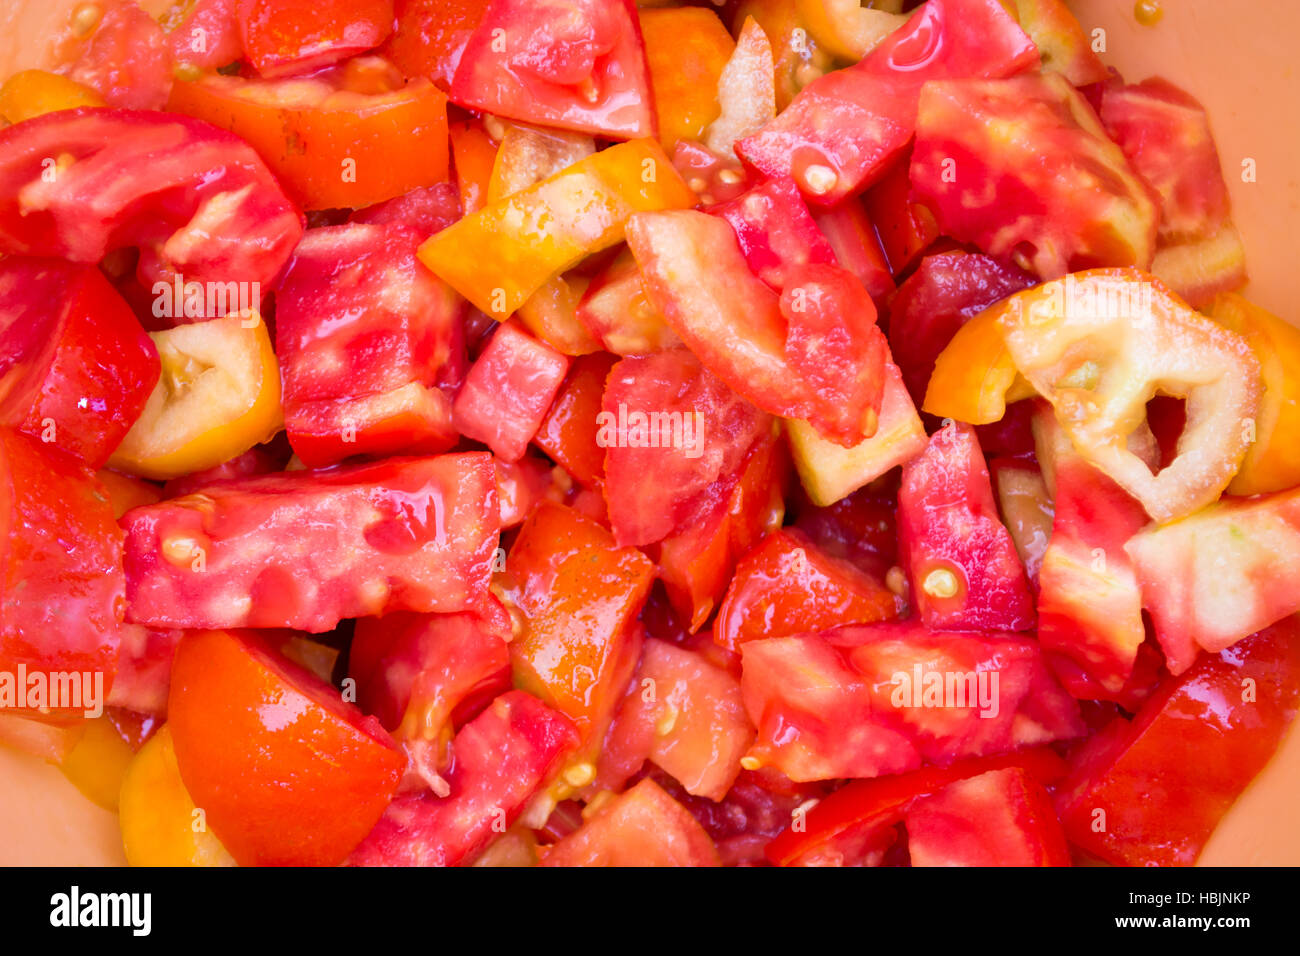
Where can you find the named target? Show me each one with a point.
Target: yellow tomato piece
(160, 825)
(685, 49)
(516, 847)
(505, 252)
(974, 377)
(551, 314)
(98, 763)
(1273, 460)
(526, 156)
(847, 29)
(126, 492)
(33, 93)
(51, 740)
(218, 396)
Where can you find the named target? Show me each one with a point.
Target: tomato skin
(78, 367)
(289, 37)
(578, 66)
(1166, 778)
(568, 432)
(660, 477)
(430, 36)
(999, 818)
(948, 524)
(945, 291)
(306, 549)
(508, 391)
(61, 593)
(287, 773)
(162, 167)
(787, 585)
(362, 329)
(308, 139)
(851, 122)
(502, 757)
(642, 827)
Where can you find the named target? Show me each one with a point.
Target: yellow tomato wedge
(126, 492)
(98, 763)
(974, 377)
(159, 824)
(1272, 462)
(34, 93)
(218, 396)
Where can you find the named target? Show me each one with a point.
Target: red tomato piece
(787, 585)
(905, 228)
(307, 549)
(867, 804)
(208, 36)
(61, 591)
(999, 818)
(426, 209)
(860, 528)
(568, 432)
(944, 292)
(288, 37)
(77, 367)
(776, 232)
(413, 670)
(714, 178)
(430, 37)
(127, 59)
(258, 460)
(857, 247)
(287, 773)
(674, 438)
(642, 827)
(144, 669)
(361, 330)
(508, 391)
(198, 202)
(1150, 791)
(1054, 193)
(572, 64)
(960, 559)
(502, 757)
(842, 128)
(616, 310)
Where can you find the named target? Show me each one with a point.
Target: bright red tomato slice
(430, 36)
(568, 433)
(144, 669)
(307, 549)
(776, 232)
(289, 37)
(218, 44)
(573, 64)
(198, 201)
(126, 59)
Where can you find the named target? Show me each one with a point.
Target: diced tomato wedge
(198, 202)
(617, 311)
(686, 49)
(865, 804)
(1025, 504)
(857, 247)
(508, 391)
(945, 291)
(747, 93)
(569, 430)
(427, 209)
(126, 491)
(144, 669)
(905, 228)
(307, 549)
(1053, 193)
(575, 64)
(126, 58)
(292, 37)
(474, 154)
(713, 177)
(204, 34)
(1202, 269)
(641, 827)
(501, 758)
(961, 562)
(788, 585)
(300, 791)
(61, 592)
(842, 129)
(776, 232)
(860, 528)
(1151, 791)
(999, 818)
(77, 367)
(674, 437)
(362, 328)
(430, 36)
(1063, 44)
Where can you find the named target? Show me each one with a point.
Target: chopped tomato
(306, 549)
(674, 437)
(640, 827)
(1025, 504)
(198, 202)
(974, 377)
(1203, 268)
(569, 432)
(746, 91)
(841, 130)
(298, 792)
(1098, 345)
(31, 93)
(526, 156)
(144, 669)
(98, 763)
(860, 528)
(790, 57)
(1150, 791)
(508, 391)
(77, 368)
(362, 329)
(787, 585)
(776, 233)
(999, 818)
(126, 58)
(426, 209)
(905, 227)
(857, 247)
(474, 154)
(1063, 44)
(847, 30)
(686, 49)
(574, 64)
(617, 311)
(290, 37)
(961, 562)
(501, 758)
(126, 492)
(1023, 168)
(260, 460)
(430, 36)
(61, 593)
(204, 34)
(713, 177)
(218, 396)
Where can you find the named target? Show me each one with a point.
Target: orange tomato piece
(686, 49)
(36, 92)
(98, 763)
